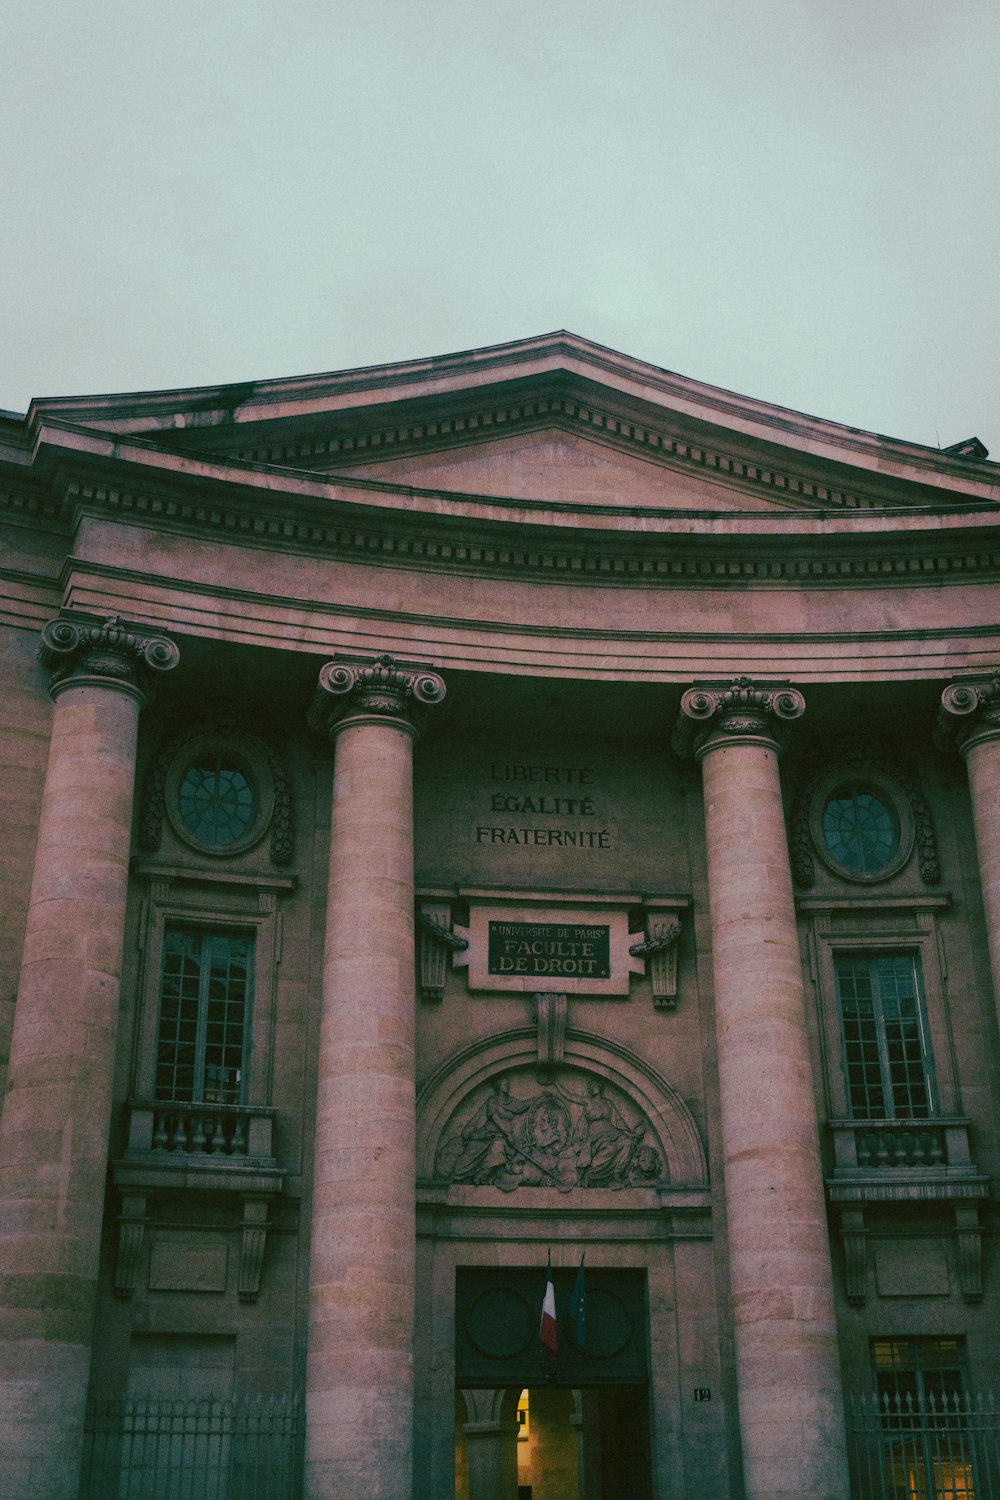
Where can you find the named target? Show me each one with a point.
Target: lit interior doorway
(552, 1442)
(563, 1423)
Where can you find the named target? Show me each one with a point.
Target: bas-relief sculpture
(550, 1136)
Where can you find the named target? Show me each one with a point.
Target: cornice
(35, 506)
(406, 527)
(651, 441)
(120, 582)
(64, 449)
(633, 558)
(471, 374)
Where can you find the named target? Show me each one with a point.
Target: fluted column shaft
(781, 1284)
(56, 1119)
(971, 719)
(363, 1249)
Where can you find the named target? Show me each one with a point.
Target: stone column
(54, 1131)
(359, 1388)
(586, 1423)
(491, 1443)
(970, 722)
(781, 1284)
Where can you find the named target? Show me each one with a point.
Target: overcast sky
(795, 199)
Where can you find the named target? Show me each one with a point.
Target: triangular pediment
(558, 467)
(554, 420)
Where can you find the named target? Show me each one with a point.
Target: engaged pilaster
(969, 721)
(791, 1407)
(54, 1131)
(363, 1248)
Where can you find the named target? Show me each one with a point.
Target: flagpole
(578, 1307)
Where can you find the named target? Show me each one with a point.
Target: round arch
(669, 1117)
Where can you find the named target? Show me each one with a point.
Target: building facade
(516, 808)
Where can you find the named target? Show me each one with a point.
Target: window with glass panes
(927, 1448)
(885, 1045)
(204, 1016)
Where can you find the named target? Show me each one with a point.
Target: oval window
(219, 796)
(861, 829)
(216, 802)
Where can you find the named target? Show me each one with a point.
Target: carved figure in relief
(487, 1138)
(544, 1151)
(552, 1138)
(608, 1145)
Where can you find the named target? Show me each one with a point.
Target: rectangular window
(204, 1016)
(912, 1369)
(928, 1447)
(886, 1056)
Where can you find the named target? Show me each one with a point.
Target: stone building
(512, 806)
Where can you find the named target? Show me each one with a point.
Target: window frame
(212, 902)
(876, 927)
(207, 933)
(888, 1082)
(256, 772)
(926, 1432)
(891, 794)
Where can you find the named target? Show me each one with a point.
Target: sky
(797, 200)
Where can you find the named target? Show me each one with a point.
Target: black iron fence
(925, 1447)
(150, 1448)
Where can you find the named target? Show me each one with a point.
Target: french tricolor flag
(548, 1331)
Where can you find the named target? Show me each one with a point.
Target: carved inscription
(523, 798)
(549, 948)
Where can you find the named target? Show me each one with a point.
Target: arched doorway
(486, 1220)
(533, 1425)
(552, 1443)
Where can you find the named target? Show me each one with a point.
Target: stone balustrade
(233, 1130)
(889, 1160)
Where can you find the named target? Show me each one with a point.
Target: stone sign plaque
(550, 950)
(568, 949)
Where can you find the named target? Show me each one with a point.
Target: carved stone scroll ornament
(131, 1233)
(743, 708)
(550, 1137)
(969, 1252)
(660, 947)
(77, 652)
(854, 1235)
(253, 1241)
(353, 687)
(550, 1024)
(970, 710)
(436, 942)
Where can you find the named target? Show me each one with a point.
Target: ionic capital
(969, 713)
(742, 710)
(104, 653)
(353, 688)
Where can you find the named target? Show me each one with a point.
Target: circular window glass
(218, 795)
(861, 829)
(216, 802)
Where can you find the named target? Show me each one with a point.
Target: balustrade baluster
(218, 1137)
(178, 1140)
(160, 1136)
(199, 1139)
